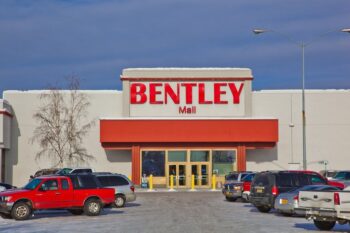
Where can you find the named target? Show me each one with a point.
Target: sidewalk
(167, 190)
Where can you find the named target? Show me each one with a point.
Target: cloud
(44, 40)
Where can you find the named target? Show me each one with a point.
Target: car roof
(107, 174)
(291, 171)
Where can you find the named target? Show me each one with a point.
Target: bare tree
(63, 126)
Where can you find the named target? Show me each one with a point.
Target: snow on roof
(173, 72)
(309, 91)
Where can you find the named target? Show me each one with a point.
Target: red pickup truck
(77, 193)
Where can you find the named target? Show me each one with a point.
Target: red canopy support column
(135, 165)
(241, 158)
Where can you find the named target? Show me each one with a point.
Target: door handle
(58, 193)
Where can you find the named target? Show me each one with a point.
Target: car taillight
(296, 198)
(246, 186)
(274, 191)
(336, 199)
(132, 188)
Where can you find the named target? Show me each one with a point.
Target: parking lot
(168, 212)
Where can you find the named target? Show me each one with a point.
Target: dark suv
(267, 185)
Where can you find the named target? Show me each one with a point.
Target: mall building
(187, 121)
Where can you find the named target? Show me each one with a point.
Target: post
(303, 107)
(150, 181)
(214, 183)
(171, 183)
(192, 183)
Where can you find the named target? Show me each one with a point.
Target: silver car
(124, 188)
(285, 203)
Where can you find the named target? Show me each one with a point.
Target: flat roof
(173, 72)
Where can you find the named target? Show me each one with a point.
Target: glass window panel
(65, 185)
(223, 161)
(177, 156)
(224, 156)
(153, 162)
(199, 156)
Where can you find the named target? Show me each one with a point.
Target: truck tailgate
(344, 208)
(318, 200)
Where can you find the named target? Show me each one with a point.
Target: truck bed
(322, 204)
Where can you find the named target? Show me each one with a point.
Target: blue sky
(42, 42)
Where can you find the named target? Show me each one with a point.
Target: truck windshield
(32, 184)
(341, 175)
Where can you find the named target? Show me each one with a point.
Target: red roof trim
(189, 131)
(186, 79)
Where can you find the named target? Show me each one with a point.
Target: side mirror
(31, 177)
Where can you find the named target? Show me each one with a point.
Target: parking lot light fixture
(302, 46)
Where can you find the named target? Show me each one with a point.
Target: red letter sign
(138, 90)
(236, 93)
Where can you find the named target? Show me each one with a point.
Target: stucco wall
(20, 160)
(327, 116)
(5, 124)
(327, 129)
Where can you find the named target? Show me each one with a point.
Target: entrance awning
(131, 131)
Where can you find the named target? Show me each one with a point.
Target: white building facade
(188, 121)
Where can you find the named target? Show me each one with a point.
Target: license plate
(259, 190)
(229, 194)
(283, 201)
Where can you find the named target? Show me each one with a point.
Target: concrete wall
(5, 124)
(20, 161)
(327, 116)
(327, 129)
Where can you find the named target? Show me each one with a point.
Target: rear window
(84, 182)
(286, 180)
(112, 180)
(104, 180)
(118, 181)
(261, 180)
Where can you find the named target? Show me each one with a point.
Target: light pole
(302, 45)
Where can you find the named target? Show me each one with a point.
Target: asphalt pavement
(167, 212)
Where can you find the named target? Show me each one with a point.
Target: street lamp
(302, 45)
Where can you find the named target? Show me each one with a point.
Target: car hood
(11, 192)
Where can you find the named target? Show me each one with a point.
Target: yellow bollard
(150, 183)
(192, 183)
(214, 183)
(171, 182)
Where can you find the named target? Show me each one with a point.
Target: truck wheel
(21, 211)
(92, 207)
(76, 211)
(263, 209)
(324, 225)
(119, 201)
(231, 199)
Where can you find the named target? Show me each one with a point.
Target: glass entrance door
(201, 174)
(178, 171)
